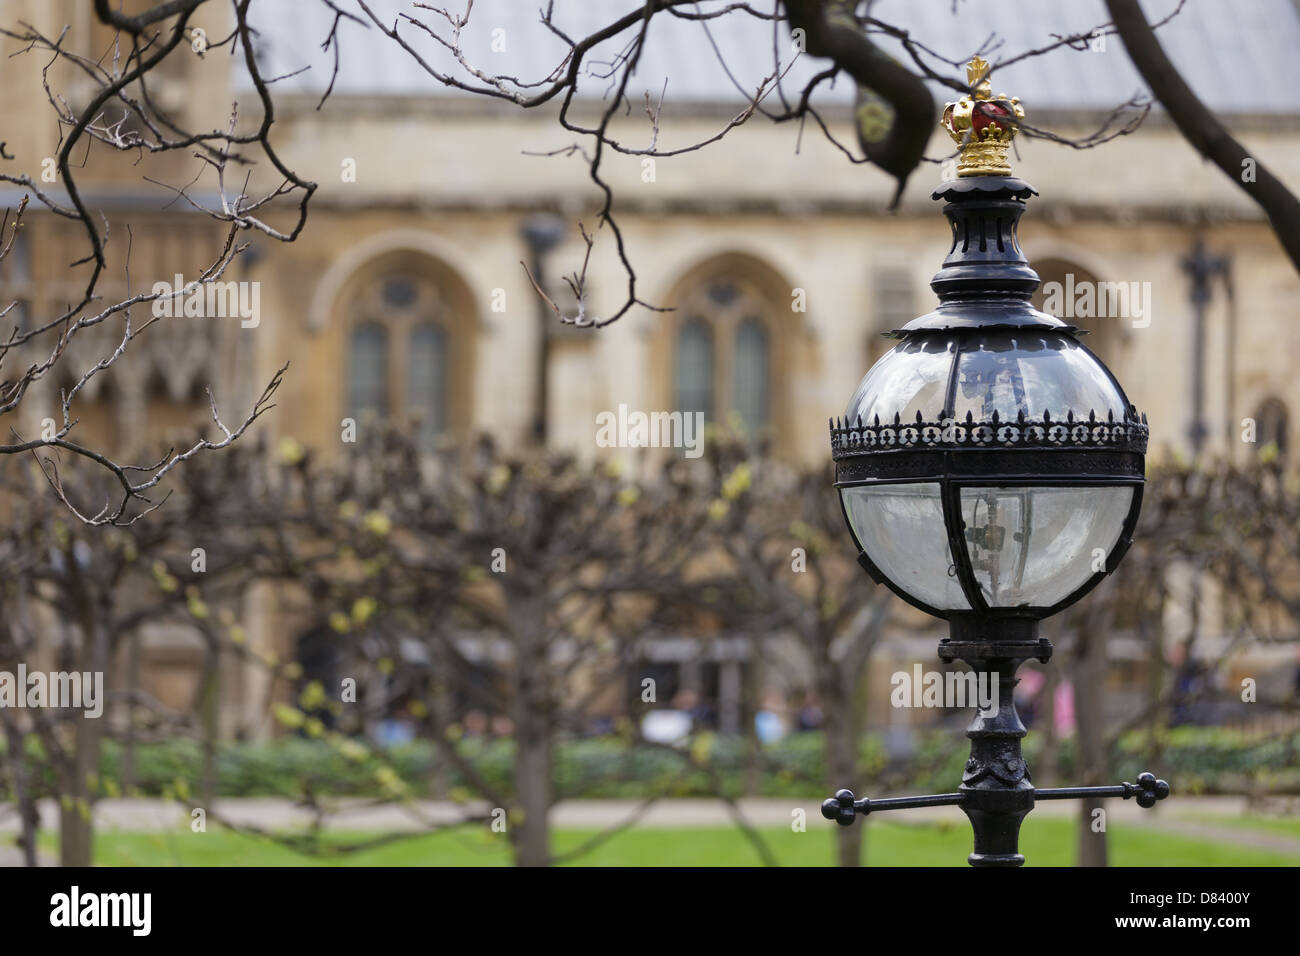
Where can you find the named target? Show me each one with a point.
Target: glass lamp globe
(989, 463)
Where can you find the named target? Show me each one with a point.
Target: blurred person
(769, 722)
(811, 714)
(702, 713)
(502, 726)
(475, 723)
(1190, 681)
(1064, 706)
(1027, 693)
(671, 725)
(395, 729)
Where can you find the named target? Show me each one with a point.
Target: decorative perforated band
(849, 439)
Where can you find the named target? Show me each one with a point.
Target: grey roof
(1239, 58)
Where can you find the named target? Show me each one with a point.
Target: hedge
(1196, 760)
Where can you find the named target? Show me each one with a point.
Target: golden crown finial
(977, 77)
(982, 124)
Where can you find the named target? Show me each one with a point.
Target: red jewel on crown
(989, 113)
(982, 124)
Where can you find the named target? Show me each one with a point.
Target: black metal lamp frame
(984, 285)
(955, 464)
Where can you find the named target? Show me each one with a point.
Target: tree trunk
(1050, 755)
(132, 688)
(76, 821)
(28, 815)
(533, 782)
(24, 797)
(532, 720)
(1160, 716)
(441, 715)
(1089, 691)
(841, 726)
(753, 703)
(209, 714)
(76, 827)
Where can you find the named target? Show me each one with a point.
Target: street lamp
(543, 232)
(990, 468)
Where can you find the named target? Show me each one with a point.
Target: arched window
(694, 367)
(722, 351)
(426, 379)
(368, 371)
(1271, 421)
(750, 381)
(409, 350)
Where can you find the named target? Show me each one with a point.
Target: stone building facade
(780, 259)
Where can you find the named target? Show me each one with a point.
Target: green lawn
(1044, 842)
(1283, 826)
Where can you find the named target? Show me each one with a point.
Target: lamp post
(543, 232)
(1201, 268)
(990, 468)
